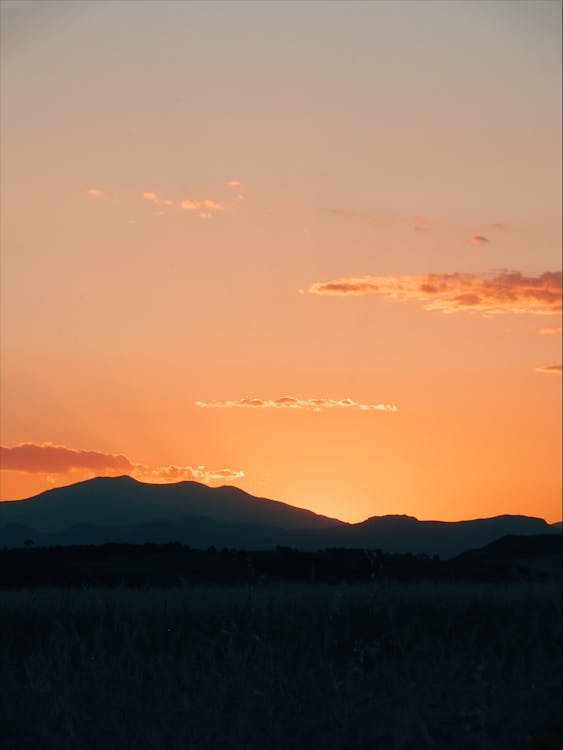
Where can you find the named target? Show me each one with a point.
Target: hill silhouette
(124, 500)
(125, 511)
(510, 559)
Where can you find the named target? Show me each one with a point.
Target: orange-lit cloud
(553, 331)
(94, 192)
(151, 197)
(290, 402)
(505, 292)
(213, 205)
(205, 207)
(550, 369)
(478, 239)
(166, 474)
(58, 459)
(234, 183)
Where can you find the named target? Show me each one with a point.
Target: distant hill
(122, 510)
(110, 501)
(511, 559)
(530, 556)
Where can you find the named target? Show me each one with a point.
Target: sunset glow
(311, 249)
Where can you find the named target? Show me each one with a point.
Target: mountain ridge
(124, 510)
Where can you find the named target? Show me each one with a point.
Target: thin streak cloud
(204, 207)
(479, 239)
(550, 369)
(290, 402)
(504, 292)
(551, 331)
(151, 197)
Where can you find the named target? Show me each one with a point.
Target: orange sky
(313, 249)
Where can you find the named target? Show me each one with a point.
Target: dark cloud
(502, 292)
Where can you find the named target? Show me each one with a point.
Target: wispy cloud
(205, 208)
(47, 458)
(503, 292)
(550, 369)
(157, 200)
(94, 192)
(234, 183)
(551, 331)
(166, 474)
(478, 239)
(213, 205)
(58, 459)
(151, 197)
(290, 402)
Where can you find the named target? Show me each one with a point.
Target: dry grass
(282, 667)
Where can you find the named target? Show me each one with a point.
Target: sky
(311, 249)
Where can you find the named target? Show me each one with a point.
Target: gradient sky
(311, 248)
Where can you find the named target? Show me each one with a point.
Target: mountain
(123, 510)
(447, 538)
(531, 555)
(125, 501)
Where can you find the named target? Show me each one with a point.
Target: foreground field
(282, 667)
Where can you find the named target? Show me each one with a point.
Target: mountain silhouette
(125, 511)
(123, 500)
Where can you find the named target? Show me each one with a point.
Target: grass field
(283, 667)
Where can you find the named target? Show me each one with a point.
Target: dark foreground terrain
(511, 559)
(282, 666)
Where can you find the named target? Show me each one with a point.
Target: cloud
(158, 201)
(213, 205)
(151, 197)
(57, 459)
(478, 239)
(205, 207)
(94, 192)
(553, 331)
(504, 292)
(234, 183)
(290, 402)
(550, 369)
(47, 458)
(167, 474)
